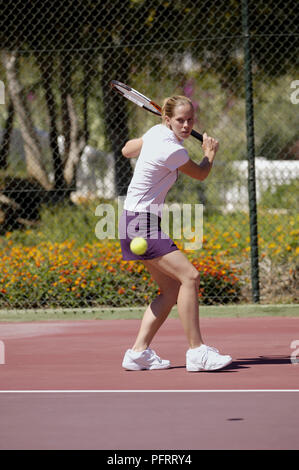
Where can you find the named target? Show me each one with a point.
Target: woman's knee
(193, 277)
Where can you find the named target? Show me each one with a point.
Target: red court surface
(87, 355)
(173, 421)
(62, 387)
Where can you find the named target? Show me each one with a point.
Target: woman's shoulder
(154, 130)
(163, 135)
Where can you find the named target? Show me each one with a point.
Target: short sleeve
(147, 135)
(152, 133)
(176, 159)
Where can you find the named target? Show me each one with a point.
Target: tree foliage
(115, 35)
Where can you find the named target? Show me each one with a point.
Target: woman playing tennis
(161, 155)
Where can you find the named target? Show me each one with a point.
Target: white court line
(152, 391)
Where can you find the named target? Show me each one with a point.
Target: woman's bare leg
(176, 266)
(157, 312)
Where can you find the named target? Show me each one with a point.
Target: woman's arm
(132, 148)
(201, 171)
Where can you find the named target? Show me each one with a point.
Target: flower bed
(66, 275)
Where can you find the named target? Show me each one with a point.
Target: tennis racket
(143, 102)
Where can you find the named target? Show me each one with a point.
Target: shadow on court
(245, 363)
(263, 360)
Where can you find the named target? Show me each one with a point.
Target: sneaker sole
(132, 367)
(167, 366)
(137, 367)
(194, 368)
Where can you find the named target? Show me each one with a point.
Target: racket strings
(136, 97)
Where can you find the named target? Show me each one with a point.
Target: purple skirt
(148, 226)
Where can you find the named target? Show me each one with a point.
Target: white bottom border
(152, 391)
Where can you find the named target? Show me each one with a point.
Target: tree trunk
(5, 144)
(33, 149)
(77, 144)
(74, 141)
(46, 69)
(116, 117)
(65, 91)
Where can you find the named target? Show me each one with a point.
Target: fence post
(250, 156)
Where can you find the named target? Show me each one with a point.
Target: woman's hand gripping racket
(143, 102)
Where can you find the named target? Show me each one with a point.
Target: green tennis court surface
(234, 311)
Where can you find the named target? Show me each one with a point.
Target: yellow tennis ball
(138, 245)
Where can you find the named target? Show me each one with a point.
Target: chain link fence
(62, 130)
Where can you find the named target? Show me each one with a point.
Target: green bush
(284, 196)
(66, 275)
(60, 262)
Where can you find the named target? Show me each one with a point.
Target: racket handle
(197, 135)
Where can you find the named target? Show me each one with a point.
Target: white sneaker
(205, 358)
(146, 359)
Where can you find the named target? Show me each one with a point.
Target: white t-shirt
(155, 171)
